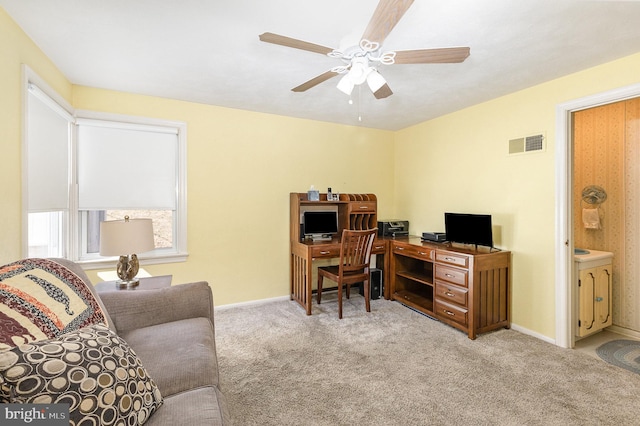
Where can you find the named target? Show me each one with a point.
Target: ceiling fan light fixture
(359, 70)
(346, 85)
(375, 80)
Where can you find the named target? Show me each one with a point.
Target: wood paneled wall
(607, 154)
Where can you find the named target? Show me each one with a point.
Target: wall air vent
(534, 143)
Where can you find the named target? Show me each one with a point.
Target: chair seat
(347, 278)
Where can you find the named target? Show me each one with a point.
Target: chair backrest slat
(355, 250)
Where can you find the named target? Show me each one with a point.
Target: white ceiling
(207, 51)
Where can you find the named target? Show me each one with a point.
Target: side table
(146, 283)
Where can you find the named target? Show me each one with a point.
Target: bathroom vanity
(593, 271)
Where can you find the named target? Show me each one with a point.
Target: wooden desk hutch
(355, 211)
(463, 287)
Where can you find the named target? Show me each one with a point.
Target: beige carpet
(394, 366)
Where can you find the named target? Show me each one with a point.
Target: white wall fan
(360, 61)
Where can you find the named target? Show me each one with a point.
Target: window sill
(111, 262)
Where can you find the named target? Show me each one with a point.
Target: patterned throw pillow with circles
(92, 370)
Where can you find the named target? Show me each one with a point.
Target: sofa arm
(134, 309)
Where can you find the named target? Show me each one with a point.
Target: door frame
(564, 273)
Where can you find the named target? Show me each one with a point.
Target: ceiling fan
(361, 60)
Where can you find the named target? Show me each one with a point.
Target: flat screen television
(468, 228)
(320, 224)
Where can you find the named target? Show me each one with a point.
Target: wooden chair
(355, 256)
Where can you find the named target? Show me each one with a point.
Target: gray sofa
(172, 332)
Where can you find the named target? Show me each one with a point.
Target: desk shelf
(419, 277)
(415, 300)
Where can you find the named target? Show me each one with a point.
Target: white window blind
(126, 166)
(49, 136)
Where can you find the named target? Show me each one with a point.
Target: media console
(465, 288)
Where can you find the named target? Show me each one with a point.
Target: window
(97, 167)
(128, 166)
(47, 172)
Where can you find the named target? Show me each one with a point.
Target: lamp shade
(375, 81)
(345, 85)
(124, 237)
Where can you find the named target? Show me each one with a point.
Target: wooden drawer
(452, 258)
(362, 207)
(379, 247)
(319, 252)
(452, 275)
(451, 312)
(413, 251)
(451, 293)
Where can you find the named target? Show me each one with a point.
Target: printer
(393, 228)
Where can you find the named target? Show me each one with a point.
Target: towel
(591, 218)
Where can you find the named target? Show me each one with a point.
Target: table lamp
(124, 238)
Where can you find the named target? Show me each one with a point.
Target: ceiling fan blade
(295, 43)
(314, 81)
(383, 92)
(432, 56)
(385, 18)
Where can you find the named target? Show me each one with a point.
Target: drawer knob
(421, 253)
(449, 313)
(364, 207)
(378, 247)
(399, 248)
(449, 276)
(325, 252)
(450, 259)
(448, 293)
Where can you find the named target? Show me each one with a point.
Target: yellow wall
(16, 49)
(241, 168)
(459, 162)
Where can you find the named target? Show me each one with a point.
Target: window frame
(74, 248)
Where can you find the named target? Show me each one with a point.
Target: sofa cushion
(41, 299)
(201, 406)
(92, 369)
(179, 355)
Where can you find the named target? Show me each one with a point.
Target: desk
(305, 252)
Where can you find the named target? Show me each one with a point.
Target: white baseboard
(523, 330)
(253, 302)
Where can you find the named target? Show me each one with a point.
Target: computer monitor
(320, 224)
(469, 228)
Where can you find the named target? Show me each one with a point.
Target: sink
(580, 251)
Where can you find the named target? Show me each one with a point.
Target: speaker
(375, 282)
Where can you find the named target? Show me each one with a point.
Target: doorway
(565, 291)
